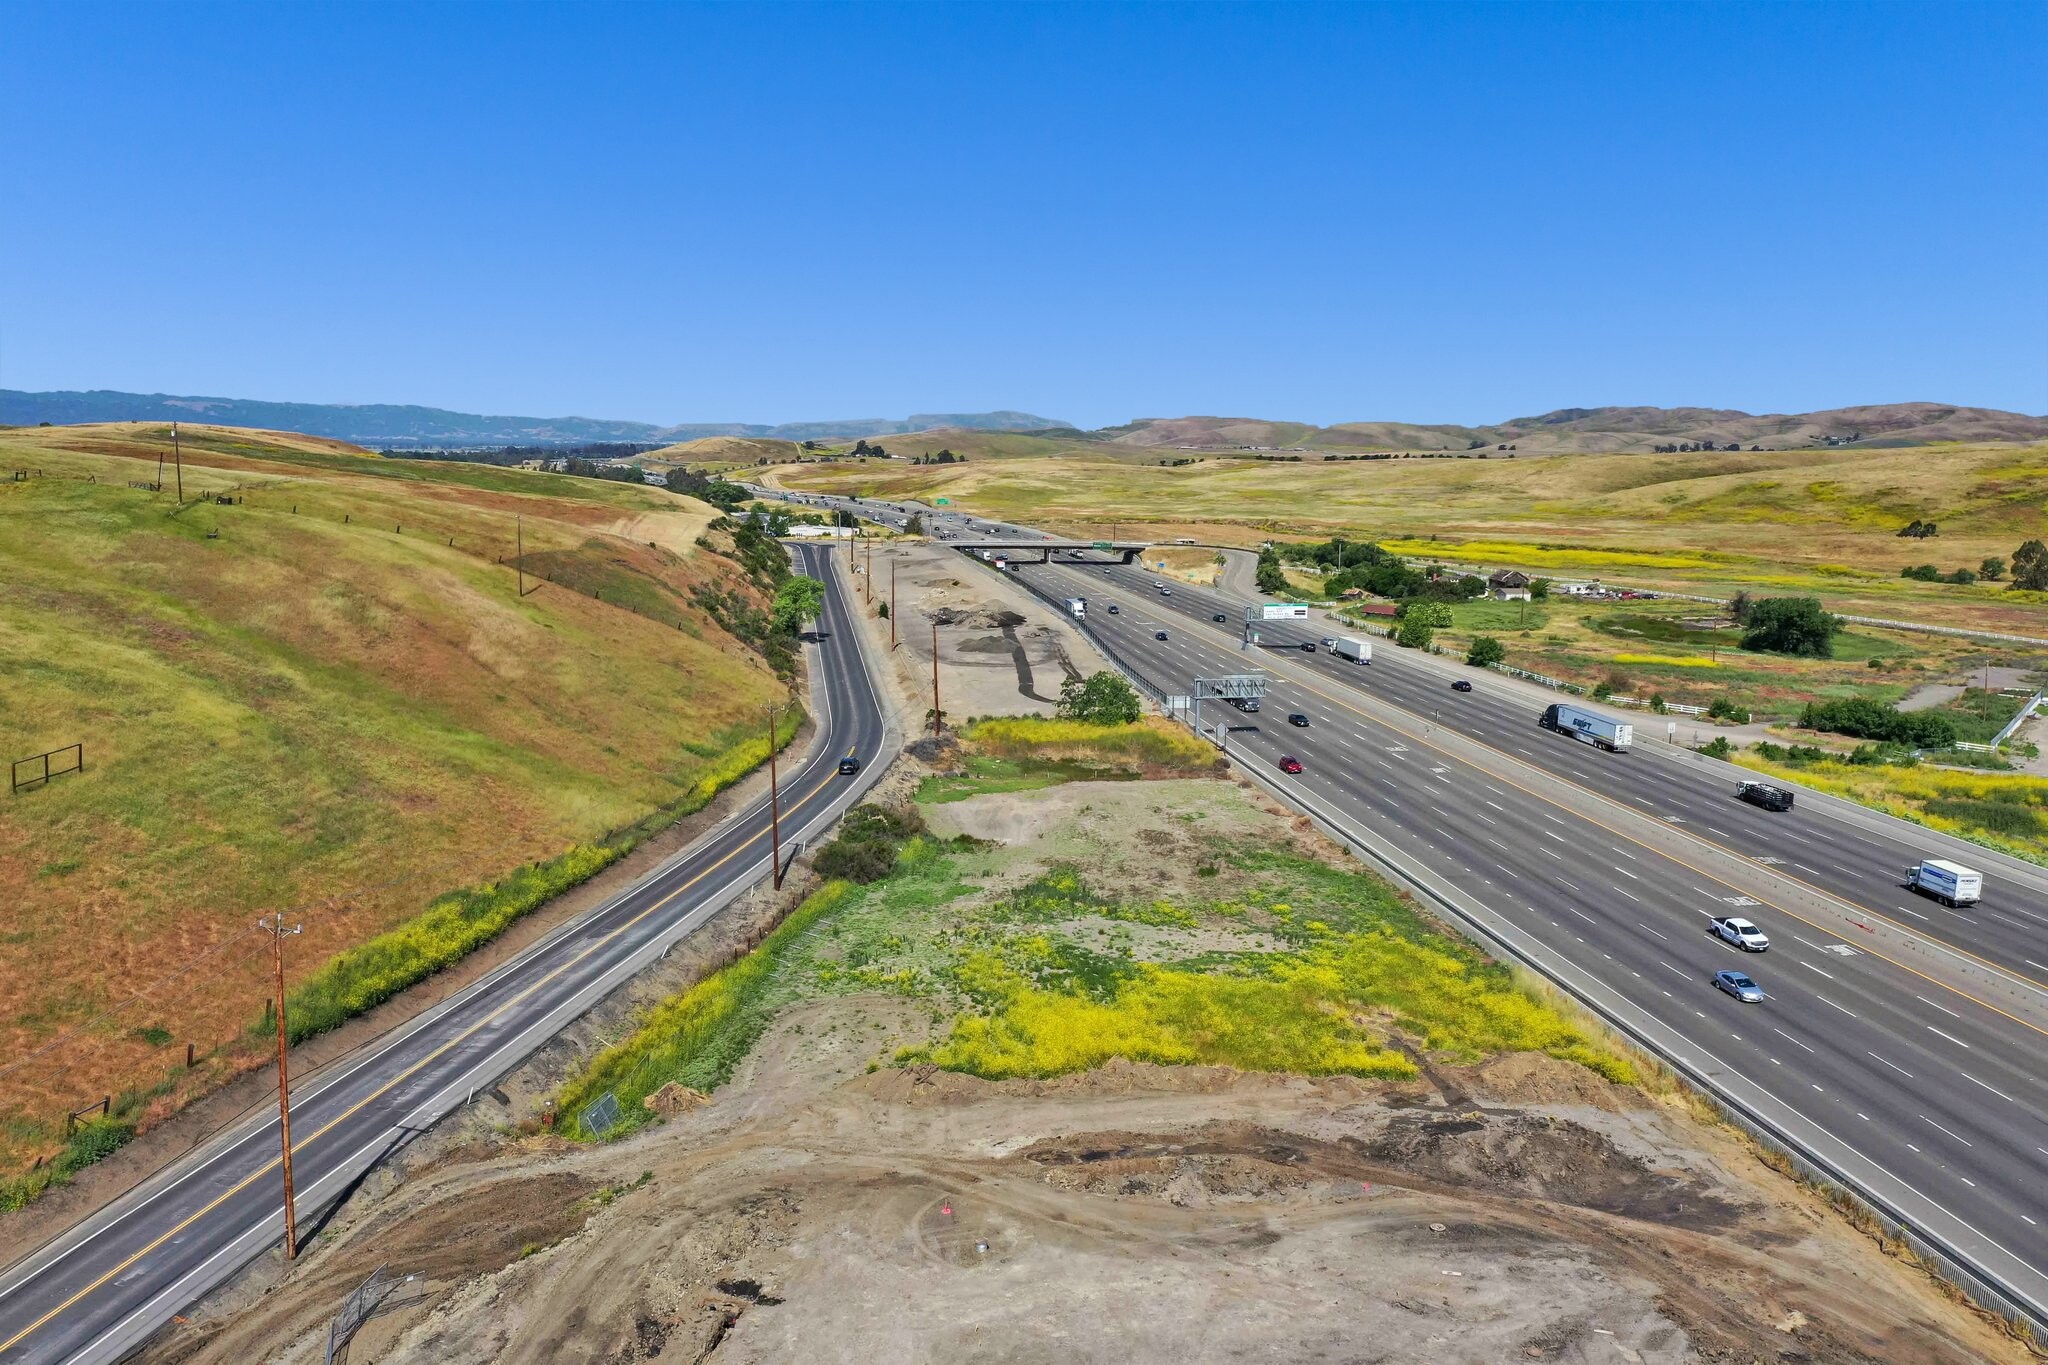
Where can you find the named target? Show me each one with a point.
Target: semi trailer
(1589, 727)
(1352, 648)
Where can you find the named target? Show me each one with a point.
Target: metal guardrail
(2012, 726)
(1950, 1263)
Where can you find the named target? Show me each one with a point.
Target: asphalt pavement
(101, 1289)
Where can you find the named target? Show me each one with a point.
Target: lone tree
(1992, 569)
(1791, 625)
(798, 600)
(1103, 699)
(1270, 578)
(2030, 567)
(915, 526)
(1485, 652)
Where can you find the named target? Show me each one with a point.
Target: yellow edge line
(258, 1174)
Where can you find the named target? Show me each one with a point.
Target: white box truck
(1589, 726)
(1950, 883)
(1077, 606)
(1352, 648)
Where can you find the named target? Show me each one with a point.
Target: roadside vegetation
(1205, 935)
(314, 686)
(2008, 812)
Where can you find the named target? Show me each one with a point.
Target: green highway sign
(943, 502)
(1102, 545)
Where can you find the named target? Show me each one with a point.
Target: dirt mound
(928, 1084)
(673, 1099)
(1536, 1156)
(1527, 1078)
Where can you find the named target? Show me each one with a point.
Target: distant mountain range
(1603, 429)
(1566, 429)
(385, 424)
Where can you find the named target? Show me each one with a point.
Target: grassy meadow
(324, 696)
(1818, 521)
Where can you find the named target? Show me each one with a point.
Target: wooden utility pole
(519, 550)
(178, 454)
(867, 586)
(284, 1089)
(936, 712)
(892, 604)
(774, 802)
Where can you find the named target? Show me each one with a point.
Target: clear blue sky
(1427, 213)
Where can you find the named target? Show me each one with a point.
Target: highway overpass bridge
(1040, 550)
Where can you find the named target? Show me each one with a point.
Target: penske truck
(1950, 883)
(1352, 648)
(1589, 727)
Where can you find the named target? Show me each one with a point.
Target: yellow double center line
(400, 1078)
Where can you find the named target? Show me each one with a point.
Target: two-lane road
(104, 1287)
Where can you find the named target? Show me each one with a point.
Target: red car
(1290, 764)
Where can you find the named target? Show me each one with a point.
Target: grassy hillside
(325, 695)
(1811, 520)
(724, 450)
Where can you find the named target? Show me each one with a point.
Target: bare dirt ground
(1523, 1210)
(828, 1206)
(1002, 652)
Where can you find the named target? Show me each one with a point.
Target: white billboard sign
(1284, 611)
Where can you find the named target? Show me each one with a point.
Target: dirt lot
(1132, 1214)
(1002, 652)
(826, 1205)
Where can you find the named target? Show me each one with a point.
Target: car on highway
(848, 765)
(1462, 685)
(1217, 616)
(1327, 641)
(1740, 986)
(1298, 721)
(1289, 763)
(1159, 635)
(1112, 610)
(1309, 645)
(1740, 932)
(1166, 592)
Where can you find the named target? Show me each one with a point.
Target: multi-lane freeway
(1908, 1061)
(104, 1287)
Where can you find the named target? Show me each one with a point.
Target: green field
(324, 696)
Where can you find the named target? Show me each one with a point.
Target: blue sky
(1426, 213)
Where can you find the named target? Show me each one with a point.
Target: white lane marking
(1662, 963)
(1502, 809)
(1950, 1036)
(2031, 963)
(1957, 1136)
(1915, 914)
(1477, 816)
(1814, 872)
(1563, 882)
(1811, 968)
(1553, 855)
(1789, 1038)
(1653, 931)
(1622, 852)
(1825, 1001)
(1893, 1065)
(1943, 1008)
(1582, 914)
(1619, 892)
(1988, 1086)
(1559, 837)
(1628, 874)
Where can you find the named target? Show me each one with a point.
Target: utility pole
(519, 550)
(936, 712)
(892, 604)
(284, 1087)
(178, 454)
(867, 586)
(774, 801)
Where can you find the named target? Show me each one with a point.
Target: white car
(1740, 932)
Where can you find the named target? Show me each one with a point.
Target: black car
(1219, 616)
(1298, 720)
(1461, 685)
(1159, 635)
(848, 765)
(1309, 645)
(1112, 609)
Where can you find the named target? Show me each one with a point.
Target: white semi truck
(1077, 606)
(1950, 883)
(1352, 648)
(1589, 727)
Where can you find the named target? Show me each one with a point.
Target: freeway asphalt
(102, 1288)
(1926, 1098)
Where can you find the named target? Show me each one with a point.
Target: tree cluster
(1103, 698)
(1917, 529)
(869, 839)
(1790, 625)
(723, 495)
(861, 447)
(1861, 718)
(1694, 447)
(939, 457)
